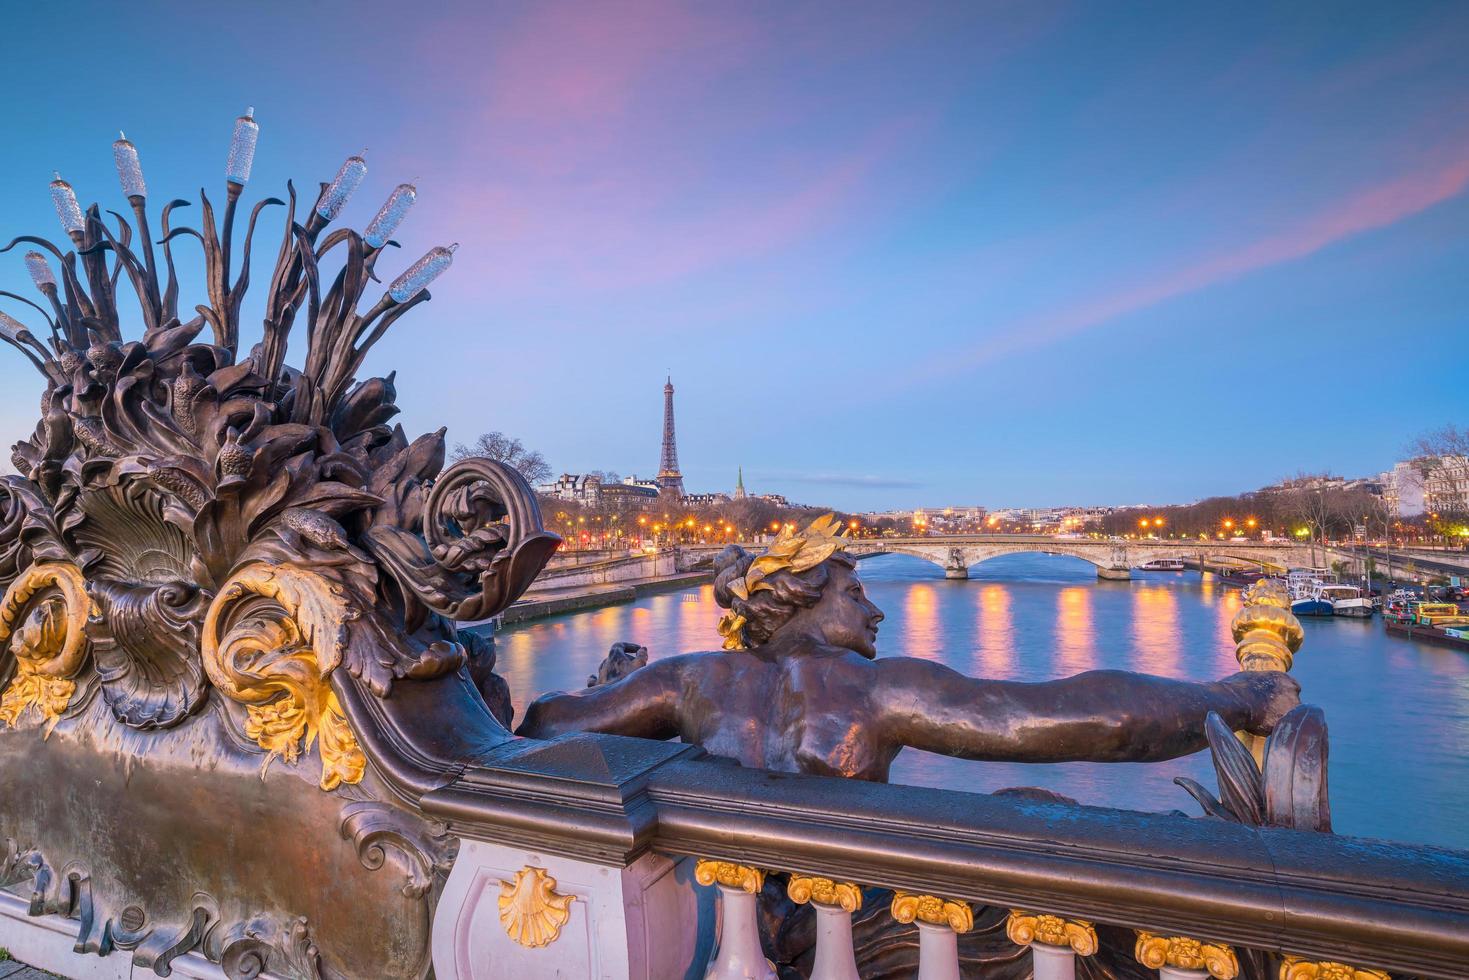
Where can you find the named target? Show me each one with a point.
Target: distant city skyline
(1038, 254)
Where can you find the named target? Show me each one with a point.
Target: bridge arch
(956, 561)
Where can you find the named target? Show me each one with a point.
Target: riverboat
(1300, 581)
(1442, 614)
(1162, 565)
(1242, 578)
(1437, 623)
(1306, 599)
(1346, 600)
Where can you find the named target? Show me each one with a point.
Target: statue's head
(803, 582)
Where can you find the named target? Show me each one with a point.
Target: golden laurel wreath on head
(793, 551)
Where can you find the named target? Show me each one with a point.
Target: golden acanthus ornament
(936, 911)
(824, 891)
(1155, 952)
(730, 875)
(1297, 968)
(270, 641)
(1025, 928)
(43, 620)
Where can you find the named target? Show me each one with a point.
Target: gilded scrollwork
(1299, 968)
(270, 640)
(824, 891)
(1025, 928)
(1157, 951)
(729, 874)
(531, 909)
(43, 619)
(937, 911)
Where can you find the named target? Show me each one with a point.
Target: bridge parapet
(1266, 891)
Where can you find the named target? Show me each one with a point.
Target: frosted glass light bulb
(354, 168)
(242, 148)
(39, 270)
(10, 326)
(67, 208)
(421, 273)
(129, 170)
(390, 215)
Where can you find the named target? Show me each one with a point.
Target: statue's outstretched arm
(644, 704)
(1099, 716)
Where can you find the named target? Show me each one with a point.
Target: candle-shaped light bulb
(39, 270)
(129, 170)
(242, 148)
(354, 168)
(421, 273)
(390, 215)
(67, 208)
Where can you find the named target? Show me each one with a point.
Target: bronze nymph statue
(799, 688)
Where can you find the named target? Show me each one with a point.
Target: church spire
(740, 485)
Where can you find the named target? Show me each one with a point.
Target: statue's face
(846, 617)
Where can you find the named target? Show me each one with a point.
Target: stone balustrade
(621, 825)
(621, 858)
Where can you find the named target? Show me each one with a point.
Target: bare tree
(1308, 501)
(1442, 454)
(1448, 441)
(508, 450)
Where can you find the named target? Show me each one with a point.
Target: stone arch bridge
(1114, 558)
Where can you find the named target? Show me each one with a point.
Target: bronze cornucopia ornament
(230, 587)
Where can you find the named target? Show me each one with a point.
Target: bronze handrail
(1396, 906)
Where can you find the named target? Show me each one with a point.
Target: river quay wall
(578, 581)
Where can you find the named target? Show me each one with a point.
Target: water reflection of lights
(996, 633)
(1156, 637)
(921, 623)
(1076, 646)
(1004, 629)
(1230, 601)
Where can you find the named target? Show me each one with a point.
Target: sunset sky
(892, 254)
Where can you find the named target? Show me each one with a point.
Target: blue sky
(891, 254)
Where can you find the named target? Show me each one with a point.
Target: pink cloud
(1363, 211)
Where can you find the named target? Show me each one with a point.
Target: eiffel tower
(670, 480)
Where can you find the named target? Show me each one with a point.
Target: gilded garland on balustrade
(192, 517)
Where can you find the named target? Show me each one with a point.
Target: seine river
(1398, 711)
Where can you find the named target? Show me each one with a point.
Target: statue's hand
(1268, 695)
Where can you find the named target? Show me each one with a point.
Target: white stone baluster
(939, 924)
(1182, 958)
(738, 956)
(1054, 942)
(834, 902)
